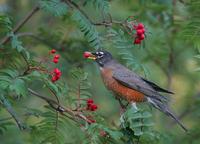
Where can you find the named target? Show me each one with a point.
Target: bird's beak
(89, 55)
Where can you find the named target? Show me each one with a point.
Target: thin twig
(61, 108)
(76, 6)
(11, 112)
(78, 95)
(57, 115)
(20, 24)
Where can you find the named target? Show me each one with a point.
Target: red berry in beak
(86, 54)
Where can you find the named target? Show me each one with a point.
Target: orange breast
(119, 89)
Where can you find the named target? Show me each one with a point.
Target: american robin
(130, 86)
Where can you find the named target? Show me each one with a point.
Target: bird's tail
(163, 107)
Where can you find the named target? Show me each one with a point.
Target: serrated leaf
(53, 87)
(138, 132)
(88, 29)
(5, 22)
(19, 87)
(55, 7)
(146, 114)
(10, 72)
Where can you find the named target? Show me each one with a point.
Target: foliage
(55, 7)
(58, 113)
(88, 29)
(192, 29)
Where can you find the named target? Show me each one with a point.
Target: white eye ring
(101, 53)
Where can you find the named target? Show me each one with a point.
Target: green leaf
(19, 87)
(10, 80)
(55, 7)
(53, 87)
(137, 120)
(5, 23)
(4, 101)
(138, 132)
(51, 129)
(88, 29)
(15, 43)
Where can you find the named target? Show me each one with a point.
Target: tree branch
(61, 108)
(11, 111)
(20, 24)
(76, 6)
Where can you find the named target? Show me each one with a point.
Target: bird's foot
(134, 106)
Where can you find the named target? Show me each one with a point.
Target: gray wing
(133, 81)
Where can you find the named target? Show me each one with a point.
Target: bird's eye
(99, 54)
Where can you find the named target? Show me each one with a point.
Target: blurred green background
(168, 57)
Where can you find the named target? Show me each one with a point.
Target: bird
(129, 86)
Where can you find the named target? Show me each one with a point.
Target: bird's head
(100, 56)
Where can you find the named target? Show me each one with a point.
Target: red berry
(140, 26)
(143, 30)
(90, 101)
(137, 41)
(57, 56)
(89, 105)
(141, 37)
(139, 31)
(86, 54)
(54, 78)
(53, 51)
(56, 71)
(55, 60)
(93, 107)
(59, 74)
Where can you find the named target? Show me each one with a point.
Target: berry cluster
(140, 33)
(91, 106)
(56, 74)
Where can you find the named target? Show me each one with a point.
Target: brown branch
(20, 24)
(78, 95)
(76, 6)
(61, 109)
